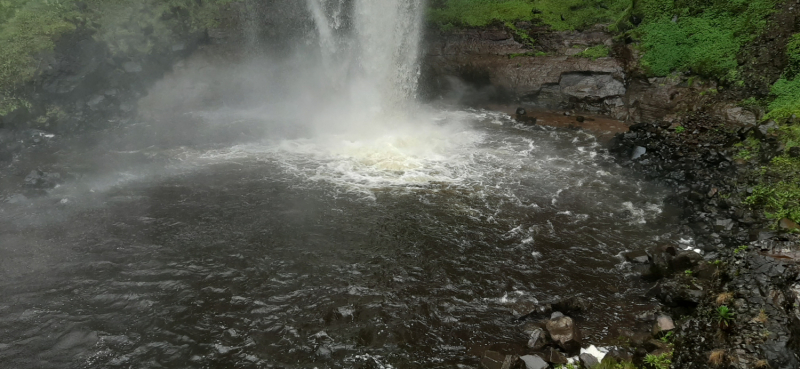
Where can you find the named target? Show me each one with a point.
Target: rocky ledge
(734, 286)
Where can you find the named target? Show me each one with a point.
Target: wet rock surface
(731, 261)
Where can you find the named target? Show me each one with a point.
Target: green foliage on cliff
(778, 192)
(703, 36)
(568, 15)
(561, 15)
(786, 91)
(478, 13)
(30, 28)
(27, 28)
(594, 52)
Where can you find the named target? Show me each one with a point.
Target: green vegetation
(27, 28)
(662, 361)
(30, 28)
(568, 15)
(680, 129)
(739, 249)
(477, 13)
(523, 36)
(748, 149)
(724, 316)
(667, 338)
(702, 36)
(561, 15)
(786, 94)
(594, 52)
(778, 191)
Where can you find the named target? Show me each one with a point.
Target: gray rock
(132, 67)
(534, 362)
(638, 151)
(538, 339)
(591, 86)
(663, 324)
(94, 102)
(588, 361)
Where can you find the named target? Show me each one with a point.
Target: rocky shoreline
(747, 266)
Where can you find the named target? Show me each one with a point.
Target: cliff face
(473, 66)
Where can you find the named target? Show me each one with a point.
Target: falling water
(382, 46)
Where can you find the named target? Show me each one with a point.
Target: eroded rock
(565, 333)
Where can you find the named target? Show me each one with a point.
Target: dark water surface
(392, 251)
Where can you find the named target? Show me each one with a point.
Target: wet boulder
(565, 334)
(588, 361)
(571, 305)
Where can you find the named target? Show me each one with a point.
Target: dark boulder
(571, 305)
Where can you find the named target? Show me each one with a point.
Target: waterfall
(371, 47)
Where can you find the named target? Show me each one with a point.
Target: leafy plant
(680, 129)
(739, 249)
(724, 316)
(662, 361)
(667, 338)
(687, 272)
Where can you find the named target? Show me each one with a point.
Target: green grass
(594, 52)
